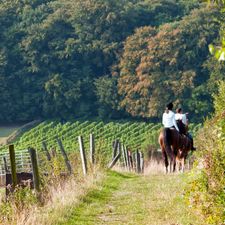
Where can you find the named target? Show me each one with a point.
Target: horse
(175, 148)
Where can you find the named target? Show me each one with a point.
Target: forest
(107, 59)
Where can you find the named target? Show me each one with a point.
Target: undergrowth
(206, 190)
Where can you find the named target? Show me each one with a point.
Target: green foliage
(216, 71)
(61, 95)
(206, 189)
(23, 197)
(216, 50)
(219, 101)
(108, 98)
(52, 51)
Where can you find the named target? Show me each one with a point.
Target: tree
(168, 66)
(61, 94)
(49, 48)
(108, 98)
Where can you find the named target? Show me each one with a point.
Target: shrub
(206, 190)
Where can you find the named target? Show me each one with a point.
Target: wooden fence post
(134, 161)
(36, 178)
(110, 166)
(128, 160)
(5, 165)
(138, 168)
(44, 147)
(13, 165)
(141, 162)
(115, 147)
(92, 149)
(131, 161)
(119, 147)
(124, 156)
(66, 159)
(82, 155)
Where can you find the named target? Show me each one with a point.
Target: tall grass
(58, 194)
(58, 202)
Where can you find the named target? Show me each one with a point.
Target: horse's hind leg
(165, 159)
(174, 159)
(172, 164)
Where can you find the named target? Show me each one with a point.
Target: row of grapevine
(136, 135)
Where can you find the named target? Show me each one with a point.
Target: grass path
(135, 200)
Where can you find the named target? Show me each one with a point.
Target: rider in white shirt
(182, 117)
(181, 121)
(168, 119)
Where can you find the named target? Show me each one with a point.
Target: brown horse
(175, 148)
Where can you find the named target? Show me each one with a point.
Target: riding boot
(192, 145)
(192, 142)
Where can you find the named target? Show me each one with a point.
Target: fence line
(22, 158)
(128, 158)
(19, 166)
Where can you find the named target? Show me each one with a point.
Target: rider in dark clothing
(182, 124)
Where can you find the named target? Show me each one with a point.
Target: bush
(206, 188)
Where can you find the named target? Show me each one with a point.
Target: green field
(135, 135)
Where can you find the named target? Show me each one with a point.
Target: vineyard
(136, 135)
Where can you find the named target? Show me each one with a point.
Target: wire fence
(23, 162)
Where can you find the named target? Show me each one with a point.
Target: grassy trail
(135, 200)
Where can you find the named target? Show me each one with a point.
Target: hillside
(69, 59)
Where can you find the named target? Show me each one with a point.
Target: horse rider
(181, 120)
(168, 119)
(182, 123)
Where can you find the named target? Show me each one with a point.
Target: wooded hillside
(107, 58)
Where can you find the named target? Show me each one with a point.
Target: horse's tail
(167, 141)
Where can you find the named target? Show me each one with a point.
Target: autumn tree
(167, 66)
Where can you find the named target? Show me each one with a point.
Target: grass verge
(60, 199)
